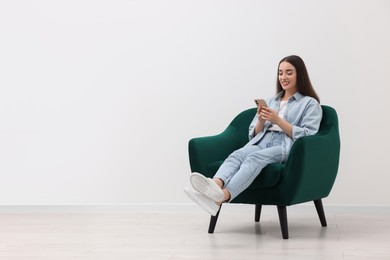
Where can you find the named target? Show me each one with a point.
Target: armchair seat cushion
(268, 177)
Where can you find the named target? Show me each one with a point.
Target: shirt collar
(297, 96)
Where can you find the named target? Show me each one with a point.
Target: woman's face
(288, 76)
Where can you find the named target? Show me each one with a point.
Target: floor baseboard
(178, 207)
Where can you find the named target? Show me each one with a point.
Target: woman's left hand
(269, 115)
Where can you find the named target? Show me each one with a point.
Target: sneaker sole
(203, 206)
(201, 185)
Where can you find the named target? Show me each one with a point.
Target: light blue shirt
(303, 112)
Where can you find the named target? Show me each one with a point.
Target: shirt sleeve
(309, 123)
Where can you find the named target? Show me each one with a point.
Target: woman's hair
(303, 81)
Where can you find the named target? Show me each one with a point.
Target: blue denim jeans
(242, 166)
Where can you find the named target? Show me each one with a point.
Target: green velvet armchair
(307, 175)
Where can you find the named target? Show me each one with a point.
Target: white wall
(99, 98)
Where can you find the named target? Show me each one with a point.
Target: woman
(294, 112)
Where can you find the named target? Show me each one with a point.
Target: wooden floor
(174, 235)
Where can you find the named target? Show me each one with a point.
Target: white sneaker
(204, 202)
(207, 187)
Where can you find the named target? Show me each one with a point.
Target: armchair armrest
(205, 150)
(311, 168)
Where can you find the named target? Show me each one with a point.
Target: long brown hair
(304, 85)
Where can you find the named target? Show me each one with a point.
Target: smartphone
(260, 102)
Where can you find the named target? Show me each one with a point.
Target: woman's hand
(269, 114)
(259, 109)
(260, 123)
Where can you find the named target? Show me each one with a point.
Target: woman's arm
(310, 122)
(308, 125)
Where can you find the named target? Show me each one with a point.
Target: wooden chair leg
(282, 211)
(320, 211)
(257, 213)
(213, 221)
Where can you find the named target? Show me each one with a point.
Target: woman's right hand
(259, 114)
(260, 123)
